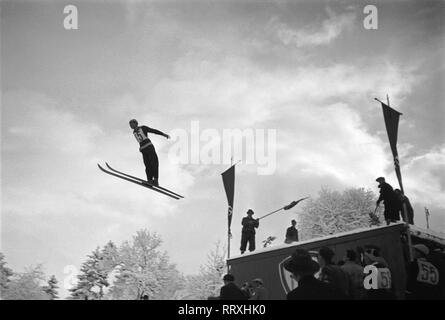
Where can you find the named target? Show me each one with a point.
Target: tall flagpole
(228, 177)
(229, 233)
(404, 209)
(427, 216)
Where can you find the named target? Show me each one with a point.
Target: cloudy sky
(307, 69)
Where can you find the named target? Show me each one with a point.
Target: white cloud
(424, 177)
(315, 35)
(333, 141)
(235, 90)
(38, 123)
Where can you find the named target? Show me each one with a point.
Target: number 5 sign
(384, 278)
(427, 273)
(377, 278)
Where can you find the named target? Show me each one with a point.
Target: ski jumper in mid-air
(148, 150)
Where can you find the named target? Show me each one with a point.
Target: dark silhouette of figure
(147, 149)
(248, 231)
(332, 273)
(389, 197)
(246, 289)
(355, 273)
(303, 269)
(291, 233)
(230, 290)
(402, 199)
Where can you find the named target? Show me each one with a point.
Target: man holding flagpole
(248, 231)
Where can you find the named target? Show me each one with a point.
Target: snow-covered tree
(209, 280)
(143, 270)
(26, 286)
(92, 278)
(5, 274)
(109, 256)
(333, 212)
(51, 288)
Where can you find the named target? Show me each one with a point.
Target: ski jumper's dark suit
(389, 197)
(248, 233)
(148, 151)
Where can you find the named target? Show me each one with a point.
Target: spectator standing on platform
(292, 233)
(248, 231)
(389, 197)
(402, 199)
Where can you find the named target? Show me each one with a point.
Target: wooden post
(229, 233)
(427, 216)
(228, 251)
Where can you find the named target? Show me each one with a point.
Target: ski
(138, 182)
(141, 180)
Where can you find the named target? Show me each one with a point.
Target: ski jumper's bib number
(384, 278)
(427, 273)
(140, 135)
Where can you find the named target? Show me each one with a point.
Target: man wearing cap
(388, 196)
(423, 276)
(303, 268)
(148, 150)
(248, 231)
(230, 290)
(259, 292)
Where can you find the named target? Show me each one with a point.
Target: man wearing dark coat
(230, 290)
(388, 196)
(303, 268)
(332, 273)
(291, 233)
(402, 199)
(248, 231)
